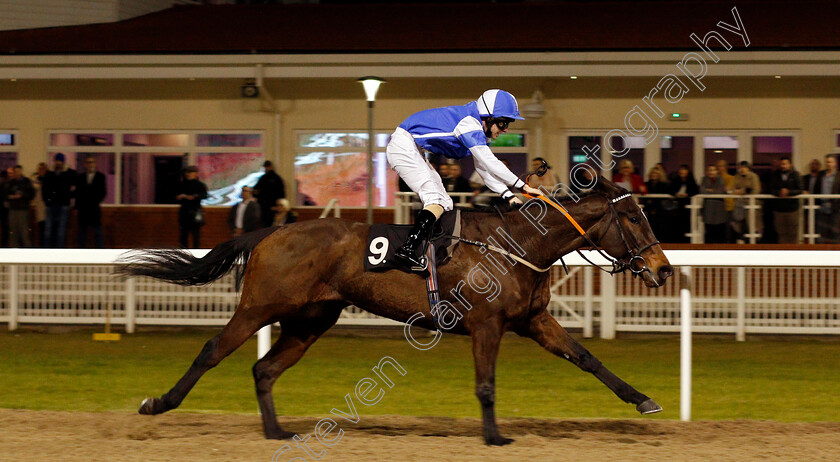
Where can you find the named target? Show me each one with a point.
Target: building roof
(439, 27)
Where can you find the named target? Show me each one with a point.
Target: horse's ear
(609, 188)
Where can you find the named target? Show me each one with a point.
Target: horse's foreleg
(546, 331)
(235, 333)
(295, 339)
(486, 339)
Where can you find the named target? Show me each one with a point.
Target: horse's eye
(634, 220)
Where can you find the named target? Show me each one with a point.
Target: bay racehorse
(303, 275)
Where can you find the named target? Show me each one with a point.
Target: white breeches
(406, 159)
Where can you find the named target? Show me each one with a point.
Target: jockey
(454, 132)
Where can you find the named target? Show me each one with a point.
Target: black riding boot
(414, 248)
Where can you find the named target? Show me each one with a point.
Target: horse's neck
(561, 236)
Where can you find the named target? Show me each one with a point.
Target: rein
(618, 265)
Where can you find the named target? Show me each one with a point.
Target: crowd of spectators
(44, 199)
(36, 210)
(726, 219)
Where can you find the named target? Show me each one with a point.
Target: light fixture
(573, 77)
(371, 85)
(249, 89)
(534, 109)
(778, 76)
(718, 151)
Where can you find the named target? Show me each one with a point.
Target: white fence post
(811, 231)
(607, 306)
(13, 297)
(130, 305)
(685, 343)
(752, 226)
(263, 341)
(696, 236)
(588, 293)
(741, 320)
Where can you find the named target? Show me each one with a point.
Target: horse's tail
(182, 267)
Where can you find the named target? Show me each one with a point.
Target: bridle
(619, 265)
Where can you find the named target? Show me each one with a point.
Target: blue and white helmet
(498, 104)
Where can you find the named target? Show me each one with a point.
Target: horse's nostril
(666, 271)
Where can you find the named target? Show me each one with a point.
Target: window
(8, 150)
(768, 150)
(676, 151)
(145, 167)
(635, 153)
(716, 148)
(333, 165)
(76, 147)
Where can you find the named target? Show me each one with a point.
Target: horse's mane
(604, 188)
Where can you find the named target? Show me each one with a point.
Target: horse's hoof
(151, 406)
(649, 407)
(498, 440)
(279, 435)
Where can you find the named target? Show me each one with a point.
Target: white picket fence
(738, 292)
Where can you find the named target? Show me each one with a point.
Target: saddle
(384, 240)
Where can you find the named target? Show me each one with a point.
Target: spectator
(90, 192)
(828, 215)
(768, 232)
(745, 182)
(547, 181)
(57, 189)
(714, 210)
(443, 171)
(268, 189)
(666, 177)
(283, 213)
(19, 192)
(658, 210)
(456, 183)
(629, 180)
(245, 216)
(683, 187)
(38, 201)
(809, 181)
(4, 209)
(728, 204)
(191, 217)
(810, 184)
(785, 183)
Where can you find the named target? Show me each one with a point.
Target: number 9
(379, 248)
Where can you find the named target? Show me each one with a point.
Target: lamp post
(371, 85)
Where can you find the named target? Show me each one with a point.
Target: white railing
(332, 206)
(736, 292)
(405, 203)
(807, 221)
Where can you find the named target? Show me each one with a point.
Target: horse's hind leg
(241, 326)
(296, 336)
(546, 331)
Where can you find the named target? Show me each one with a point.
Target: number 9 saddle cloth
(384, 240)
